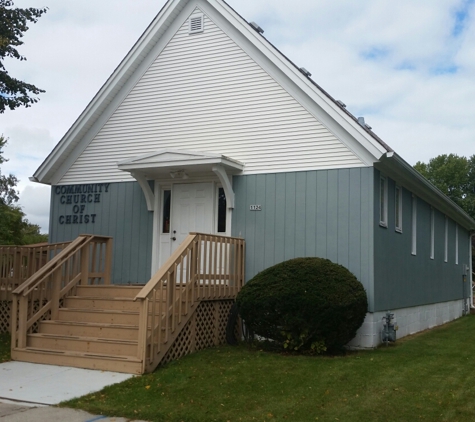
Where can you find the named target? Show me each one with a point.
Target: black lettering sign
(79, 196)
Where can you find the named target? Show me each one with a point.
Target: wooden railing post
(55, 294)
(22, 322)
(85, 256)
(194, 279)
(108, 262)
(143, 333)
(13, 321)
(17, 265)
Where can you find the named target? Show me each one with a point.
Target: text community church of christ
(79, 197)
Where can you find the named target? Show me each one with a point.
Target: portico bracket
(227, 184)
(147, 190)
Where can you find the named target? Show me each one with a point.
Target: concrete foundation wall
(409, 320)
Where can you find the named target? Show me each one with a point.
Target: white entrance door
(192, 211)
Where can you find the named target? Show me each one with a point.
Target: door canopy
(179, 164)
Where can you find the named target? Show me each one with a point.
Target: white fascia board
(95, 115)
(276, 65)
(403, 173)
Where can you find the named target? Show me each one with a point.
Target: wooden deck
(68, 313)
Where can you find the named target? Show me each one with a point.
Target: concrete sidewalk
(27, 391)
(17, 412)
(49, 384)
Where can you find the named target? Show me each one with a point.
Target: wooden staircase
(97, 328)
(69, 314)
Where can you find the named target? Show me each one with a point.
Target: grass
(4, 347)
(426, 377)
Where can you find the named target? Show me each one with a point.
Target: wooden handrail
(31, 283)
(19, 263)
(203, 267)
(158, 276)
(87, 260)
(51, 265)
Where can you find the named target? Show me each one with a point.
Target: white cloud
(35, 203)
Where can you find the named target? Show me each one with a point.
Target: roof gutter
(402, 172)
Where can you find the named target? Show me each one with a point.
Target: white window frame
(432, 233)
(414, 225)
(456, 244)
(383, 202)
(446, 240)
(398, 208)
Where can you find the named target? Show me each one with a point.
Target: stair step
(117, 347)
(94, 302)
(104, 362)
(99, 315)
(111, 291)
(90, 329)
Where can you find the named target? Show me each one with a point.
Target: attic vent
(196, 24)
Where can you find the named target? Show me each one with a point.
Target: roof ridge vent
(257, 27)
(305, 72)
(196, 24)
(363, 123)
(341, 103)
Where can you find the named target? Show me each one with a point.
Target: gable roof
(368, 146)
(96, 113)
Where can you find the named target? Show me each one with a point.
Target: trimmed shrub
(305, 304)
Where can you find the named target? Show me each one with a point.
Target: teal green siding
(326, 213)
(121, 213)
(405, 280)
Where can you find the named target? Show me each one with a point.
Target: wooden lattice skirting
(206, 328)
(5, 313)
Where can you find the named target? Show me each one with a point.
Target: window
(432, 233)
(414, 225)
(167, 196)
(222, 210)
(456, 244)
(446, 244)
(383, 201)
(398, 208)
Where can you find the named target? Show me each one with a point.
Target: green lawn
(426, 377)
(4, 347)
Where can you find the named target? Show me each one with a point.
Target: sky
(408, 67)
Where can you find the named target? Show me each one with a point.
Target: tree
(13, 24)
(15, 229)
(8, 193)
(454, 176)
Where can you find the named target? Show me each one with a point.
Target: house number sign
(256, 208)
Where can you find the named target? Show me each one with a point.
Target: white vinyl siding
(204, 93)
